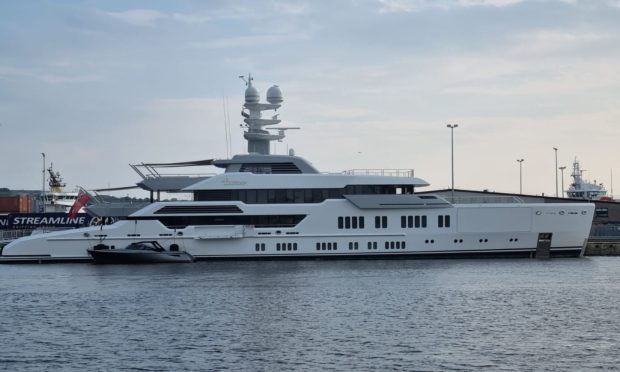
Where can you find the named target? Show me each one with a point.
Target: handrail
(483, 199)
(380, 172)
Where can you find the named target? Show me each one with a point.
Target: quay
(602, 248)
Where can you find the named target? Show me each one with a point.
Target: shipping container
(15, 204)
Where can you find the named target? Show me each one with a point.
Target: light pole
(556, 171)
(43, 185)
(520, 175)
(452, 126)
(562, 169)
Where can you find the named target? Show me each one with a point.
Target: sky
(97, 85)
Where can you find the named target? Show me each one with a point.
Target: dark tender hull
(127, 256)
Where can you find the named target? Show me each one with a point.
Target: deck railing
(380, 172)
(482, 199)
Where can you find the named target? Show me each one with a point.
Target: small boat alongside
(138, 252)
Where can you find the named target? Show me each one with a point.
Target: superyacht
(267, 206)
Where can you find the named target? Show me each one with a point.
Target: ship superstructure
(581, 188)
(57, 200)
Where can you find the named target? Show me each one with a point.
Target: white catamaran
(266, 206)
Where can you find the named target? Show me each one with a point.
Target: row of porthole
(354, 246)
(326, 246)
(395, 245)
(286, 247)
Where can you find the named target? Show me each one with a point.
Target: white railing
(380, 172)
(7, 236)
(482, 199)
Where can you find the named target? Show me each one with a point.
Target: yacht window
(417, 221)
(299, 195)
(384, 221)
(257, 196)
(377, 222)
(347, 222)
(354, 222)
(403, 221)
(423, 221)
(260, 221)
(410, 221)
(447, 221)
(361, 222)
(440, 221)
(340, 222)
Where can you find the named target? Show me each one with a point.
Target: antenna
(611, 183)
(225, 122)
(247, 81)
(229, 133)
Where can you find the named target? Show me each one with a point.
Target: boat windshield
(145, 247)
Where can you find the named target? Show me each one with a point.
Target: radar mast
(257, 135)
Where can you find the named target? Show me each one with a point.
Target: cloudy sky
(97, 85)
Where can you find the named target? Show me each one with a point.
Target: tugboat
(138, 252)
(582, 189)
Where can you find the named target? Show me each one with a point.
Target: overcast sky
(97, 85)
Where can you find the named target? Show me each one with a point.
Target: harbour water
(415, 315)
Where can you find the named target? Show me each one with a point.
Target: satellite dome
(252, 95)
(274, 95)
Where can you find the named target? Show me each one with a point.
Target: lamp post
(520, 176)
(452, 126)
(43, 184)
(562, 169)
(556, 171)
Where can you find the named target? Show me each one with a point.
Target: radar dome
(274, 95)
(252, 95)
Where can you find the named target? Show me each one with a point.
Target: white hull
(486, 229)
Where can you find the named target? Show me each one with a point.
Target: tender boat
(138, 252)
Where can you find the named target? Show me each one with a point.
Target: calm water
(429, 315)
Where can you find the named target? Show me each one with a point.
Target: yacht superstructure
(280, 206)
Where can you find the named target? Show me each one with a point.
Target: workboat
(268, 206)
(581, 188)
(57, 200)
(138, 252)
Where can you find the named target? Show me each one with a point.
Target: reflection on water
(514, 315)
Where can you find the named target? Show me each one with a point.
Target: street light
(520, 175)
(452, 126)
(562, 169)
(556, 171)
(43, 185)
